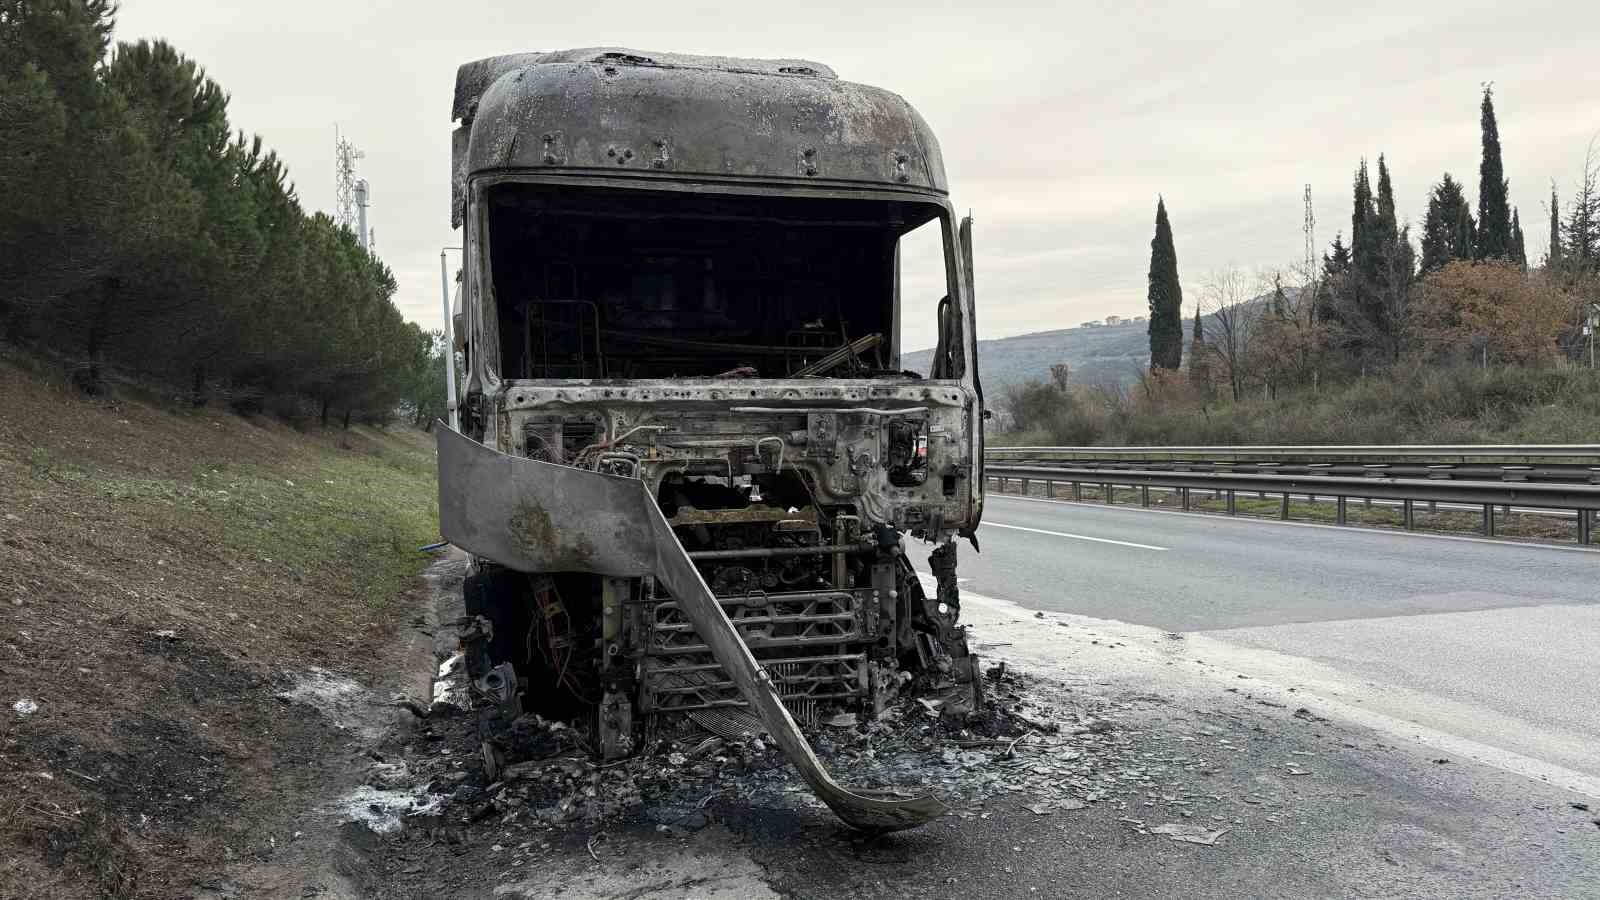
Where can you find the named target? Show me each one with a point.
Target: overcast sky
(1060, 123)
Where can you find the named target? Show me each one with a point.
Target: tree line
(1375, 302)
(1382, 304)
(141, 233)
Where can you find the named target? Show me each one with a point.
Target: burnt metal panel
(541, 517)
(458, 175)
(535, 516)
(620, 115)
(473, 78)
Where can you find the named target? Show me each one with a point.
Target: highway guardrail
(1571, 463)
(1582, 499)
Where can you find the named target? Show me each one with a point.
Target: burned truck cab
(684, 273)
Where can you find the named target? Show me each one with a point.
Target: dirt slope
(162, 569)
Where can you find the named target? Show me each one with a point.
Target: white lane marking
(1076, 537)
(1253, 520)
(1285, 677)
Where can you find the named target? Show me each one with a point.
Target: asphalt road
(1491, 642)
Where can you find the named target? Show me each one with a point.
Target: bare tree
(1225, 297)
(1290, 343)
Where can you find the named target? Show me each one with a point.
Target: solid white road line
(1076, 537)
(1289, 679)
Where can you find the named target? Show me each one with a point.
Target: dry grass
(259, 548)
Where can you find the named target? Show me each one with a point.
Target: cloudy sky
(1060, 122)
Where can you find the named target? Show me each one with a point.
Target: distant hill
(1104, 355)
(1108, 354)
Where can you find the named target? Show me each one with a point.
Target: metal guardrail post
(1108, 493)
(1488, 520)
(1144, 495)
(1077, 491)
(1233, 503)
(1408, 514)
(1283, 510)
(1025, 491)
(1183, 492)
(1341, 517)
(1050, 489)
(1585, 527)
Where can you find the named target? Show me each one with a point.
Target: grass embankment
(160, 569)
(1416, 406)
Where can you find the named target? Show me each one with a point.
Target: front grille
(810, 643)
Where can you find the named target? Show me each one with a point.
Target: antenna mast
(345, 200)
(1311, 239)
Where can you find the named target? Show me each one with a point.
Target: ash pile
(523, 772)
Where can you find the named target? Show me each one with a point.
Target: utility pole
(449, 342)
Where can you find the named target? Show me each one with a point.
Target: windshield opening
(620, 283)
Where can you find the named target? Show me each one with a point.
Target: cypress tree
(1199, 369)
(1397, 258)
(1552, 259)
(1494, 212)
(1366, 247)
(1362, 215)
(1387, 220)
(1166, 297)
(1466, 240)
(1519, 249)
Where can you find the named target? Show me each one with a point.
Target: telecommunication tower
(345, 155)
(1311, 239)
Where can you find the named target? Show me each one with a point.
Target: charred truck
(690, 459)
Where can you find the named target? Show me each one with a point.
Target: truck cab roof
(630, 114)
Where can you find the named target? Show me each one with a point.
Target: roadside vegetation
(1414, 405)
(162, 569)
(142, 234)
(1378, 343)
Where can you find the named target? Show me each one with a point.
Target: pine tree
(1337, 260)
(1552, 259)
(1581, 243)
(1494, 212)
(1335, 278)
(1166, 297)
(1447, 229)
